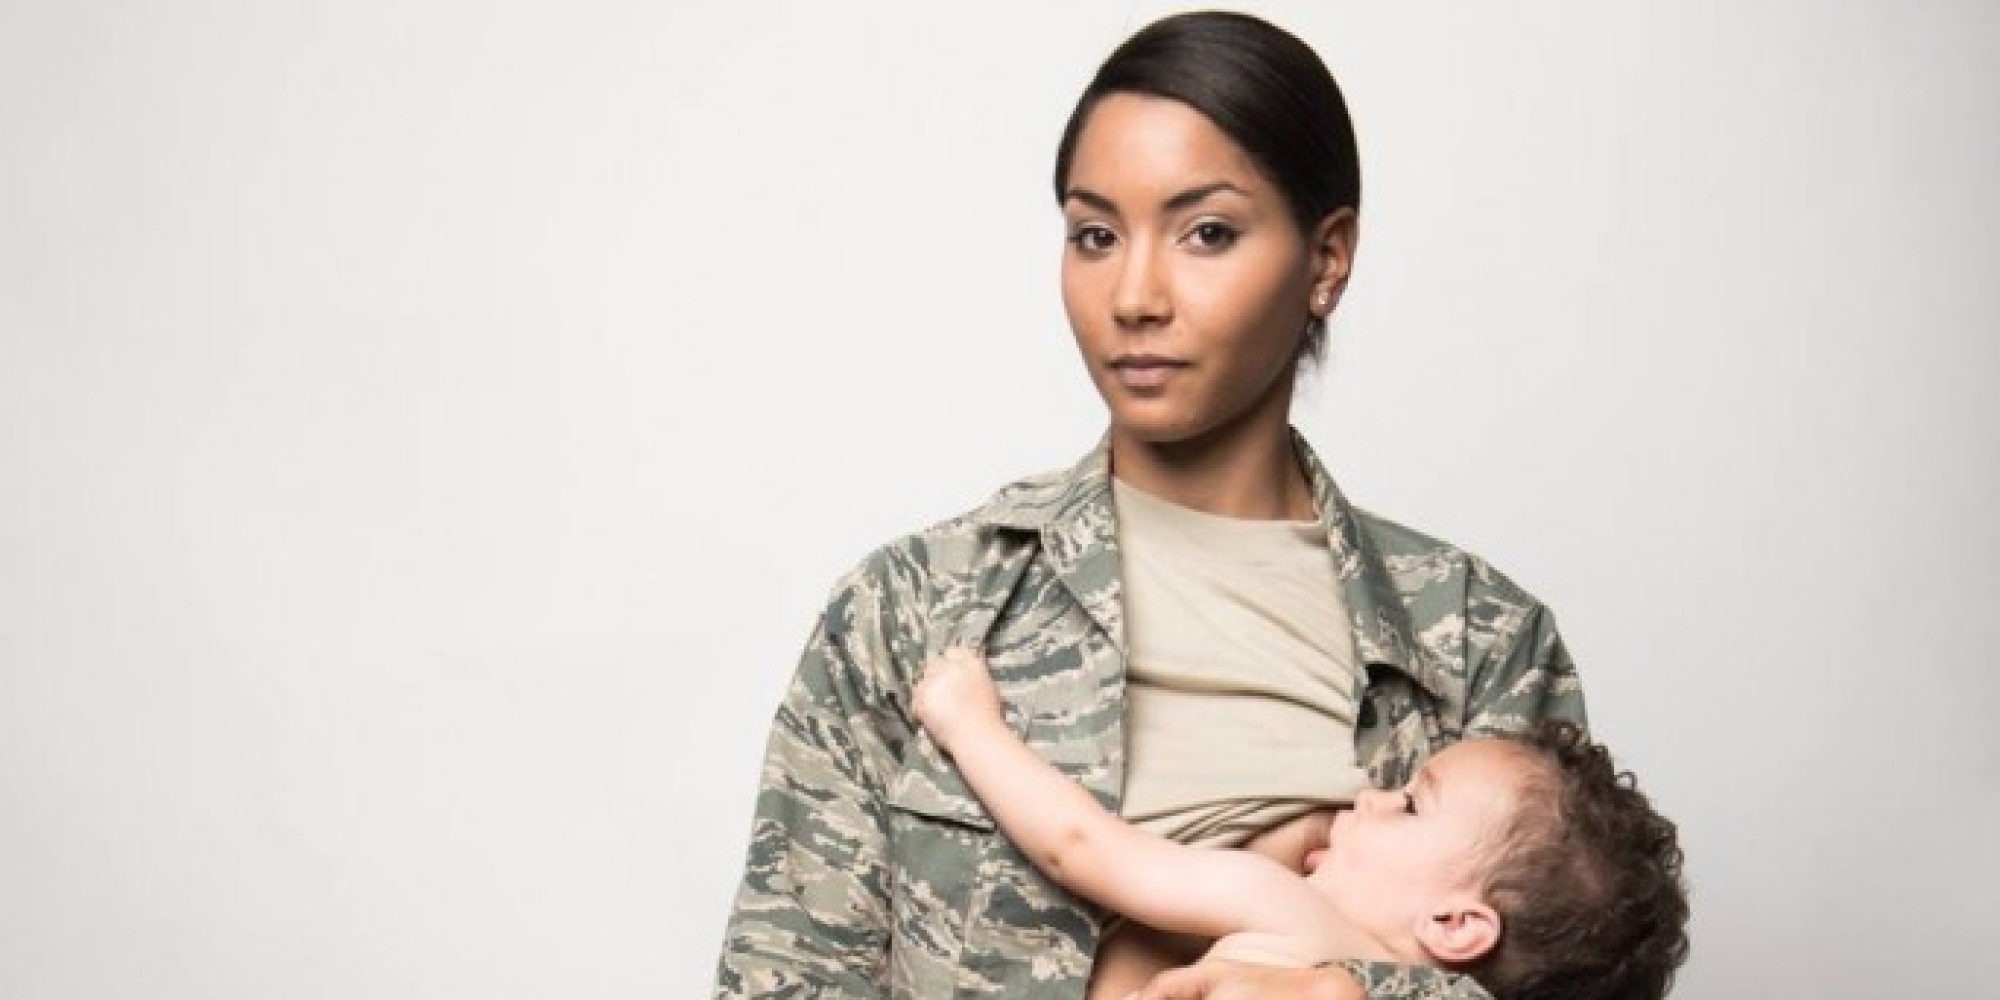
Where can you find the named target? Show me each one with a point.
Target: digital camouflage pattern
(873, 872)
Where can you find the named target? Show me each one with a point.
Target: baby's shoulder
(1268, 948)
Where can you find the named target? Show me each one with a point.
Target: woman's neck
(1241, 471)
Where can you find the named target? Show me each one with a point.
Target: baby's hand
(954, 694)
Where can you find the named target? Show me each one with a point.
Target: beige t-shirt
(1241, 676)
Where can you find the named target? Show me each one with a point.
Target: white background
(428, 428)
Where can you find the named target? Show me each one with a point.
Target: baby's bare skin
(1133, 954)
(1297, 843)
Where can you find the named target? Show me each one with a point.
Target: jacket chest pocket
(1397, 730)
(939, 834)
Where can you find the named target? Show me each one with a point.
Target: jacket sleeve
(1387, 981)
(811, 918)
(1525, 675)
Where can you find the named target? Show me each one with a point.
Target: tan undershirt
(1239, 710)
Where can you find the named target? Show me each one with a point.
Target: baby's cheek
(1349, 858)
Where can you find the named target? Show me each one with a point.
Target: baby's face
(1398, 856)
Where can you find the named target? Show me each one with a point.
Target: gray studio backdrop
(428, 428)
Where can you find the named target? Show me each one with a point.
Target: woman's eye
(1092, 239)
(1212, 235)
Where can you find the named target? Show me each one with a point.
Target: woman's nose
(1139, 299)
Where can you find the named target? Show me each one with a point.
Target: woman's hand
(954, 694)
(1218, 979)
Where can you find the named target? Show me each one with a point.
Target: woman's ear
(1463, 931)
(1333, 242)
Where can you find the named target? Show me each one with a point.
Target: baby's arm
(1077, 842)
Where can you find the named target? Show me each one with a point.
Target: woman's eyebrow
(1184, 199)
(1196, 195)
(1091, 198)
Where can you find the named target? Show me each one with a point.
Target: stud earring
(1321, 299)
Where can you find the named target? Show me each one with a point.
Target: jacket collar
(1381, 621)
(1072, 513)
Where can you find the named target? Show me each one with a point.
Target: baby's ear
(1462, 930)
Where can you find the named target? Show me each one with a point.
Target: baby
(1527, 863)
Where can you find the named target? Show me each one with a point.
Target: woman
(1192, 621)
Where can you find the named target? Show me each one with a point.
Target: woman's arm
(1073, 839)
(1523, 673)
(1215, 979)
(811, 917)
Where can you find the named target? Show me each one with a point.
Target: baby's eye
(1212, 235)
(1409, 803)
(1092, 238)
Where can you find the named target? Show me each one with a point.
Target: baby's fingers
(965, 654)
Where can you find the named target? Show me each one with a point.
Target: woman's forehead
(1136, 142)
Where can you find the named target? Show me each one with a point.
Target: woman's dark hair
(1262, 87)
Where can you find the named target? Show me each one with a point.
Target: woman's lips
(1145, 371)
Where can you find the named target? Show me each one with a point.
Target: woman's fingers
(1189, 983)
(1222, 980)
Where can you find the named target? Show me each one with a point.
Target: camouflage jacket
(873, 872)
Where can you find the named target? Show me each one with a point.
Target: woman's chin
(1154, 428)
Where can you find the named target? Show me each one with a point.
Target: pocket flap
(928, 785)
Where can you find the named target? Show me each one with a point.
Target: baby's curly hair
(1587, 882)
